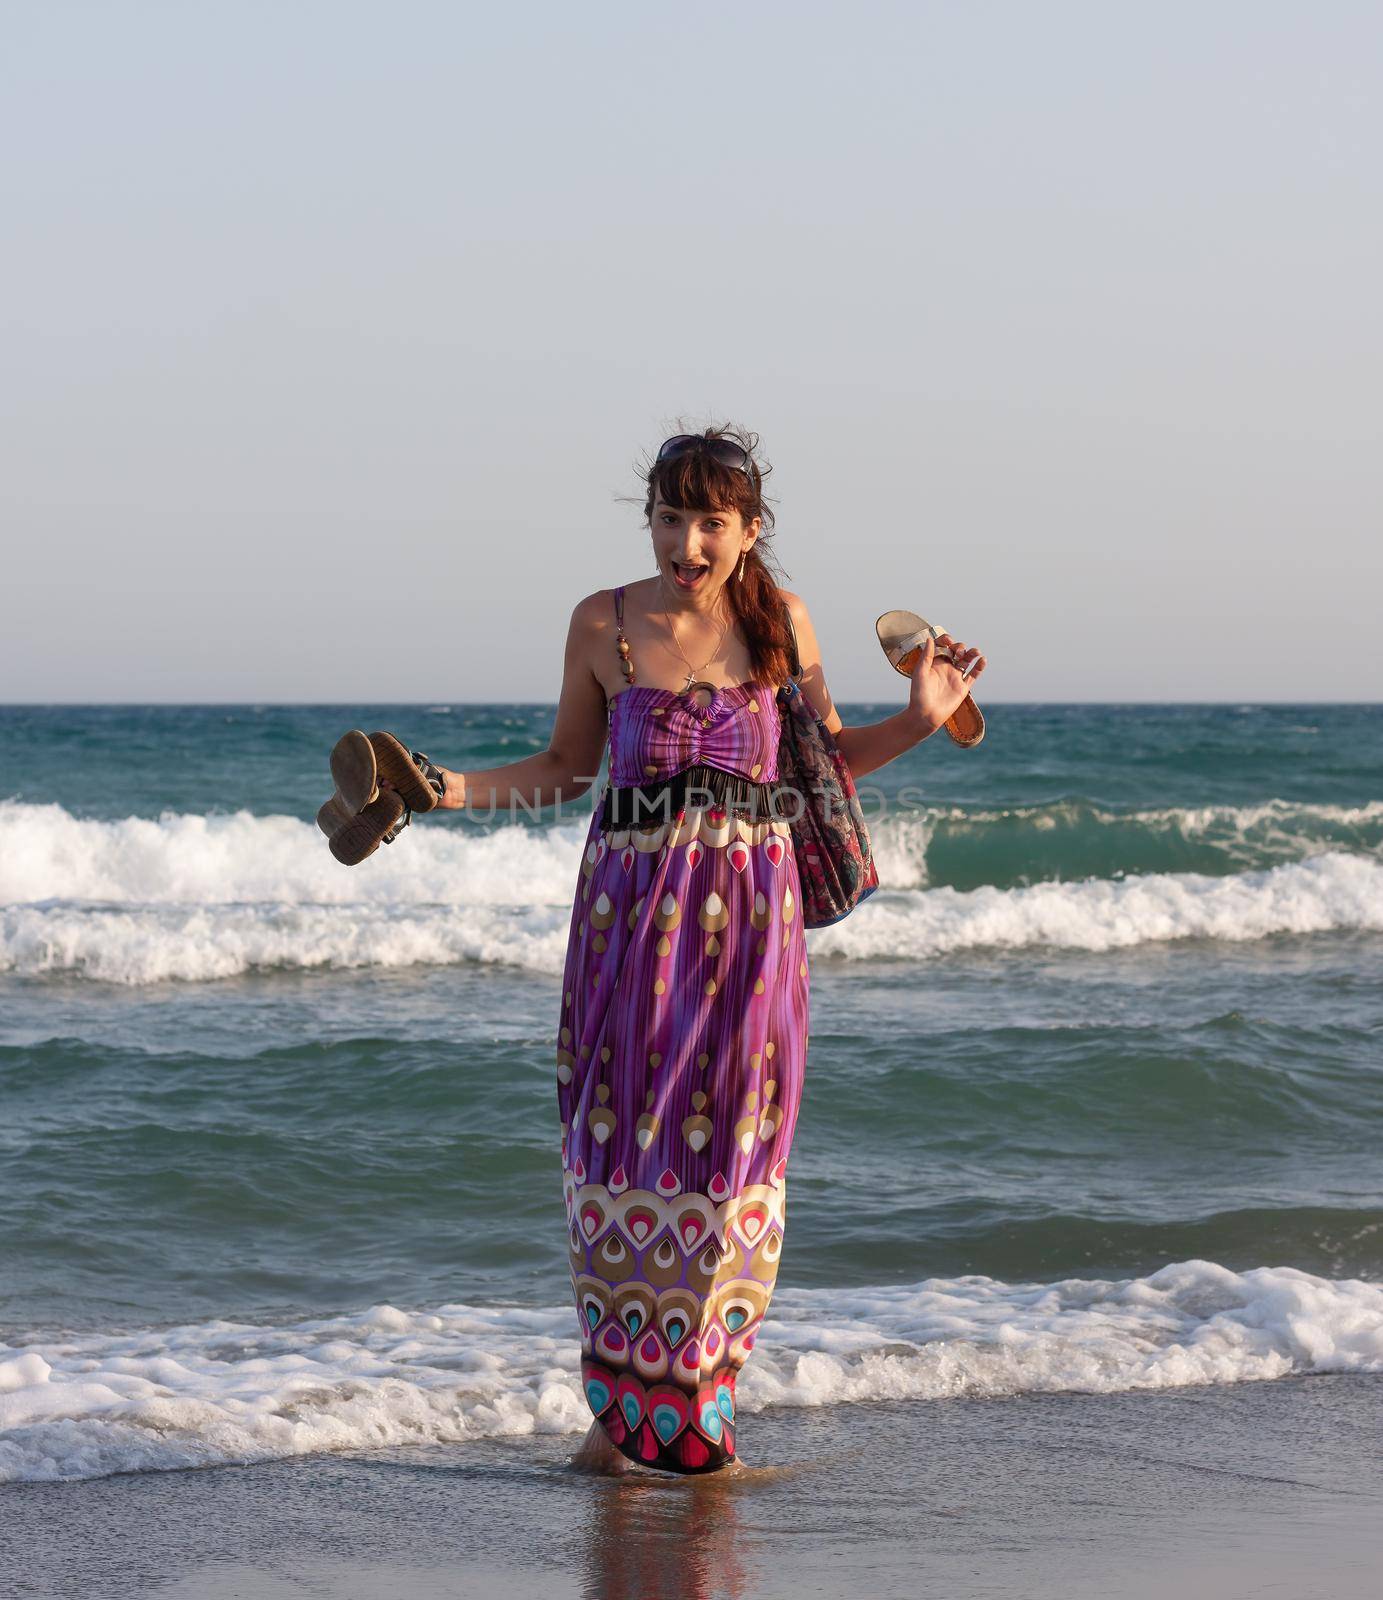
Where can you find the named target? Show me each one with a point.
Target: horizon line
(434, 704)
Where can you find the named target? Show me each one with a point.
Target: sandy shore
(1272, 1489)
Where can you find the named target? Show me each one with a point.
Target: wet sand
(1269, 1489)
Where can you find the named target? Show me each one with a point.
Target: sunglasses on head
(725, 451)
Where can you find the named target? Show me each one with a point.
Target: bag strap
(795, 667)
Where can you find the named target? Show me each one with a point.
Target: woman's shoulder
(595, 612)
(594, 621)
(797, 607)
(602, 601)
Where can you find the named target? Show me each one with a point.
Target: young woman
(683, 1030)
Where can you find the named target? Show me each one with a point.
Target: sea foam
(1327, 893)
(199, 897)
(224, 1392)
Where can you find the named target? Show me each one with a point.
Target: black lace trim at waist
(629, 805)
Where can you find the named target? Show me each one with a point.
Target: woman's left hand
(940, 686)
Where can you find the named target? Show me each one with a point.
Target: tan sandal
(902, 635)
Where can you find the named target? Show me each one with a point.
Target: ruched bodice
(657, 733)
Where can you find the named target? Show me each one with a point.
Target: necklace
(693, 683)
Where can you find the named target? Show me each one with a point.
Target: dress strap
(794, 663)
(621, 643)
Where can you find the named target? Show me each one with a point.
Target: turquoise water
(1116, 1010)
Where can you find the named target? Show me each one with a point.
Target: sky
(331, 333)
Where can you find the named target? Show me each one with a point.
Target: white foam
(197, 943)
(1318, 896)
(900, 842)
(48, 855)
(192, 897)
(224, 1392)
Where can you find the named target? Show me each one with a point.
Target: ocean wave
(223, 1392)
(192, 944)
(48, 855)
(204, 897)
(1325, 894)
(1073, 838)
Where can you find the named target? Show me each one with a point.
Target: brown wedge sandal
(409, 771)
(902, 635)
(361, 816)
(353, 770)
(379, 823)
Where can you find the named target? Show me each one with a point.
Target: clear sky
(331, 333)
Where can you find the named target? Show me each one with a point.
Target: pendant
(708, 713)
(690, 690)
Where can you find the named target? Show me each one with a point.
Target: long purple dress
(682, 1045)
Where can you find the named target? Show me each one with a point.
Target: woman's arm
(937, 689)
(571, 762)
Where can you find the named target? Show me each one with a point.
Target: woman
(683, 1029)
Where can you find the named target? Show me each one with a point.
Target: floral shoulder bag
(834, 860)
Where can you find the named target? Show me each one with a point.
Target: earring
(743, 558)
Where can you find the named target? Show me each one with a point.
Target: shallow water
(277, 1140)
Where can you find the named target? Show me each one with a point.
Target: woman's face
(699, 551)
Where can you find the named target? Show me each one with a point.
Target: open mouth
(689, 576)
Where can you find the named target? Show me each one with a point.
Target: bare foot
(596, 1454)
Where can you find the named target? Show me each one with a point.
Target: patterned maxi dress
(681, 1051)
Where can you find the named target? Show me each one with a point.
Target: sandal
(381, 822)
(902, 635)
(409, 771)
(353, 769)
(360, 816)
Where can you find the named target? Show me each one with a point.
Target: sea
(1094, 1094)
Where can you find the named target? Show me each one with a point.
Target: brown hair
(697, 481)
